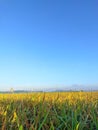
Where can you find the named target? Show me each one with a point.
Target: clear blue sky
(48, 42)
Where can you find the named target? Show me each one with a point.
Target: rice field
(49, 111)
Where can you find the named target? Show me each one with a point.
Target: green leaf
(21, 127)
(77, 127)
(43, 121)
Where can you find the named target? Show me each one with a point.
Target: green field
(49, 111)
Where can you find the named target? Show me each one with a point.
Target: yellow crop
(49, 111)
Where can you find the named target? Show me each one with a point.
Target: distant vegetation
(49, 111)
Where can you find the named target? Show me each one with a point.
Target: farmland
(49, 111)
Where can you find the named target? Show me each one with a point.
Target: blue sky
(48, 43)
